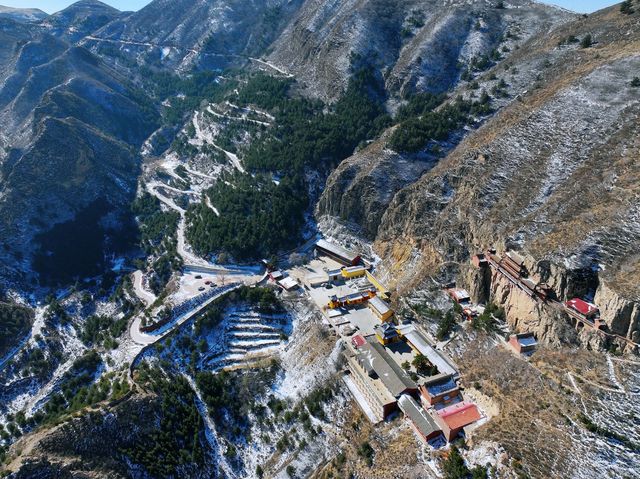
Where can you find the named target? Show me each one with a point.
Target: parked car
(201, 288)
(207, 282)
(198, 276)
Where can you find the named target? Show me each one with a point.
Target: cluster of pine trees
(260, 215)
(425, 124)
(157, 237)
(16, 321)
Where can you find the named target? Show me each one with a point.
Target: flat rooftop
(459, 294)
(527, 341)
(288, 283)
(379, 305)
(352, 269)
(336, 249)
(440, 384)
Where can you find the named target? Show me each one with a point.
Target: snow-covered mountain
(507, 124)
(28, 15)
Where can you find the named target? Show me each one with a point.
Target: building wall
(361, 378)
(352, 274)
(446, 397)
(382, 317)
(421, 436)
(513, 342)
(449, 434)
(385, 341)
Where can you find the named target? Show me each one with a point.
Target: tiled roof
(459, 415)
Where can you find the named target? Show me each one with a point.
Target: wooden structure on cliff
(584, 312)
(512, 266)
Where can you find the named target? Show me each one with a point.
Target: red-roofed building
(582, 307)
(582, 310)
(453, 419)
(358, 341)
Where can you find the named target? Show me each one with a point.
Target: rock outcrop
(362, 187)
(552, 174)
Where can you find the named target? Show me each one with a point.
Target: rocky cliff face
(552, 175)
(547, 320)
(360, 189)
(621, 314)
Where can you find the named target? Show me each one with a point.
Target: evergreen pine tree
(587, 41)
(626, 7)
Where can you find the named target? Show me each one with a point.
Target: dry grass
(394, 444)
(586, 364)
(531, 425)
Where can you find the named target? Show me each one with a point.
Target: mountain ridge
(23, 14)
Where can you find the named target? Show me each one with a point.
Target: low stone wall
(186, 306)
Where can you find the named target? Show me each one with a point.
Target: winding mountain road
(91, 38)
(145, 339)
(146, 296)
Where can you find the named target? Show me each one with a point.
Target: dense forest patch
(259, 216)
(157, 237)
(15, 322)
(422, 122)
(177, 443)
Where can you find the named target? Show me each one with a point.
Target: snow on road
(187, 256)
(271, 65)
(198, 173)
(147, 297)
(177, 190)
(251, 110)
(128, 42)
(203, 136)
(151, 187)
(210, 205)
(188, 50)
(171, 161)
(236, 118)
(148, 339)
